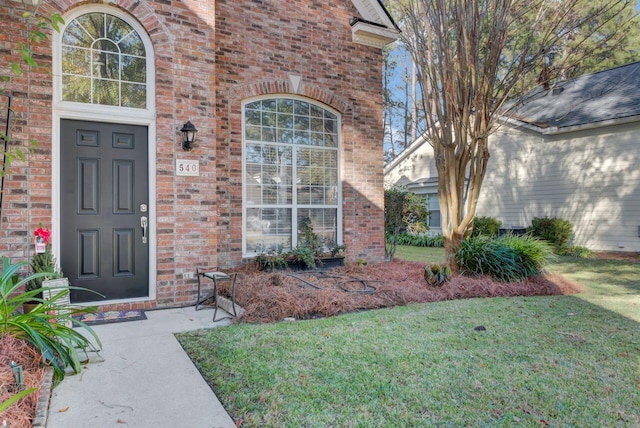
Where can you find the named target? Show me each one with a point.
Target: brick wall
(259, 44)
(209, 56)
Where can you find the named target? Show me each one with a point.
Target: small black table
(215, 276)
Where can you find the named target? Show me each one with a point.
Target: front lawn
(526, 361)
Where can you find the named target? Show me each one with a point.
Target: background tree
(403, 211)
(474, 58)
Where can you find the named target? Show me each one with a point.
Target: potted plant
(311, 253)
(42, 262)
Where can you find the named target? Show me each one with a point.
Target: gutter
(554, 130)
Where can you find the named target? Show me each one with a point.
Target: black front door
(104, 218)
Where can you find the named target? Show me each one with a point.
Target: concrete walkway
(144, 380)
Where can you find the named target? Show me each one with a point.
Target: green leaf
(6, 404)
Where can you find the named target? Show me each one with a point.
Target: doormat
(109, 317)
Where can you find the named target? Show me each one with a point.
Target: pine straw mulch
(272, 297)
(22, 412)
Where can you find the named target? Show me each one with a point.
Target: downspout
(4, 156)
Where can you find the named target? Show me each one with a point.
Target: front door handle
(144, 223)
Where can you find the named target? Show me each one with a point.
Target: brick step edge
(44, 399)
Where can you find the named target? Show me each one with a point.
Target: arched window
(291, 166)
(104, 62)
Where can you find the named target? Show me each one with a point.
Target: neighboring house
(572, 152)
(286, 98)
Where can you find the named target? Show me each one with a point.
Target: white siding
(591, 178)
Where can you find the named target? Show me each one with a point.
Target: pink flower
(43, 234)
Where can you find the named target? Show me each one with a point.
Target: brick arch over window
(285, 87)
(146, 16)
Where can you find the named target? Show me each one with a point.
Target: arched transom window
(291, 165)
(103, 62)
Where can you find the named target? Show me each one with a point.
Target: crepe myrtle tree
(475, 60)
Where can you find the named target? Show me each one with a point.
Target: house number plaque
(187, 167)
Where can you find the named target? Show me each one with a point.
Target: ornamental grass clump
(437, 273)
(507, 258)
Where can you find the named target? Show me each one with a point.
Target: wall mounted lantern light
(189, 133)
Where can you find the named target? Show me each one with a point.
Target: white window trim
(104, 110)
(294, 220)
(110, 114)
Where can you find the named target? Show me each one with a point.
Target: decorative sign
(187, 167)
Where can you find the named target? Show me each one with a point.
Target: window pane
(301, 123)
(268, 105)
(301, 107)
(77, 89)
(75, 35)
(268, 229)
(93, 23)
(252, 117)
(132, 44)
(268, 119)
(76, 61)
(106, 65)
(105, 92)
(253, 133)
(134, 95)
(301, 137)
(134, 69)
(434, 219)
(316, 111)
(284, 136)
(285, 121)
(285, 106)
(330, 140)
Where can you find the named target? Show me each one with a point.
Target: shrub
(576, 251)
(420, 240)
(507, 258)
(488, 226)
(437, 273)
(49, 325)
(555, 230)
(403, 210)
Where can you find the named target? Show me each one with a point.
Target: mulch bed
(272, 297)
(21, 413)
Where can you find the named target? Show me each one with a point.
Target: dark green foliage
(487, 226)
(420, 240)
(403, 210)
(271, 260)
(49, 325)
(437, 273)
(576, 251)
(42, 262)
(307, 237)
(310, 251)
(304, 255)
(507, 258)
(558, 232)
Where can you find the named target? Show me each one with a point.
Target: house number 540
(187, 167)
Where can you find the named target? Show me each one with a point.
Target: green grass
(562, 360)
(420, 254)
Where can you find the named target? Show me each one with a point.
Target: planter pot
(331, 262)
(324, 264)
(28, 307)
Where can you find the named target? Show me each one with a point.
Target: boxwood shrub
(557, 231)
(488, 226)
(507, 258)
